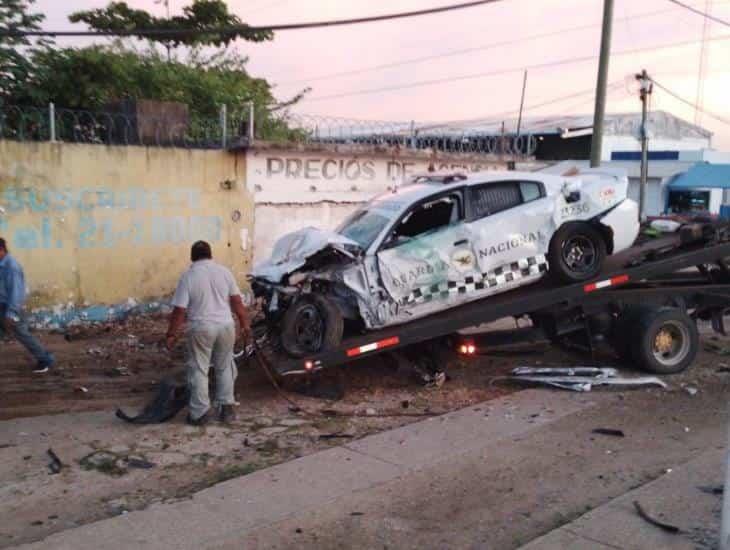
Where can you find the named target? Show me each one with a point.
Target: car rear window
(494, 197)
(491, 198)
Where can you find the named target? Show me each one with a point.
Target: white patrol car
(437, 242)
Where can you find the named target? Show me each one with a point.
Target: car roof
(425, 185)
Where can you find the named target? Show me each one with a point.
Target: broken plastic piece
(56, 465)
(608, 431)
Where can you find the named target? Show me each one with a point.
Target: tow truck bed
(631, 275)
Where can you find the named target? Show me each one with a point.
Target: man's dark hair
(201, 251)
(3, 245)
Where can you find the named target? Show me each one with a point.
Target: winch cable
(263, 362)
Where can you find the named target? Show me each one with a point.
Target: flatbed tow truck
(646, 304)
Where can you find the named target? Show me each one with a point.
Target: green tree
(201, 14)
(15, 51)
(92, 78)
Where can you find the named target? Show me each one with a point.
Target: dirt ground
(110, 467)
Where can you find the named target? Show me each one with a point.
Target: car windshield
(363, 227)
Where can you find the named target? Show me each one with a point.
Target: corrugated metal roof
(704, 175)
(657, 169)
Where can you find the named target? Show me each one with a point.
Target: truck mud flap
(171, 398)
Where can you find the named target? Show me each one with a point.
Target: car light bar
(380, 344)
(613, 281)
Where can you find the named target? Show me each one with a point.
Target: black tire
(665, 341)
(311, 324)
(576, 253)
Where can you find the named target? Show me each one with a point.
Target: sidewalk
(674, 498)
(229, 511)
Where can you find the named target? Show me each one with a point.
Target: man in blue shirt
(12, 299)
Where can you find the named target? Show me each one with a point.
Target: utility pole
(600, 108)
(644, 91)
(522, 103)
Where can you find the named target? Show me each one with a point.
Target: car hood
(292, 251)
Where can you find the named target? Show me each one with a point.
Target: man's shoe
(202, 421)
(42, 368)
(227, 414)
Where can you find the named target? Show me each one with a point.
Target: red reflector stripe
(613, 281)
(392, 341)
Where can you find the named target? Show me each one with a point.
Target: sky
(467, 90)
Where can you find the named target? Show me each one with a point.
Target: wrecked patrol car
(437, 242)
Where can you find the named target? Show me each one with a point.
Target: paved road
(497, 475)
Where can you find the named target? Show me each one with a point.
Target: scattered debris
(565, 371)
(105, 462)
(669, 528)
(357, 513)
(171, 398)
(7, 445)
(723, 370)
(82, 389)
(55, 465)
(405, 403)
(370, 412)
(608, 431)
(690, 390)
(712, 490)
(717, 349)
(135, 462)
(580, 379)
(665, 226)
(336, 436)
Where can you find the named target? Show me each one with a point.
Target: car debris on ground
(581, 379)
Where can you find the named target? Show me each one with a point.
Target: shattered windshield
(363, 227)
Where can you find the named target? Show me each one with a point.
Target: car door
(427, 252)
(511, 225)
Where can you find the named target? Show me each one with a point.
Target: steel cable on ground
(232, 29)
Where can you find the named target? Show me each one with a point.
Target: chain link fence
(245, 125)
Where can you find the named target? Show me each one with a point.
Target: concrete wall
(296, 188)
(101, 229)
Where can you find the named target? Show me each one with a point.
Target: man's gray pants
(210, 343)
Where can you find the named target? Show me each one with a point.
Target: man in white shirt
(206, 295)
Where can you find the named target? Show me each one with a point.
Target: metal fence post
(250, 122)
(224, 126)
(413, 134)
(52, 121)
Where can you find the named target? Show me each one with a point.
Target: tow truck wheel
(576, 253)
(311, 324)
(665, 341)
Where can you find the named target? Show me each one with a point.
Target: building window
(681, 202)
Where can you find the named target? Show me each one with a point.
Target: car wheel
(665, 341)
(311, 325)
(576, 253)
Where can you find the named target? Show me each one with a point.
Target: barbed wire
(28, 123)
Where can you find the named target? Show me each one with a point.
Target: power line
(500, 72)
(690, 103)
(254, 28)
(700, 12)
(452, 53)
(492, 119)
